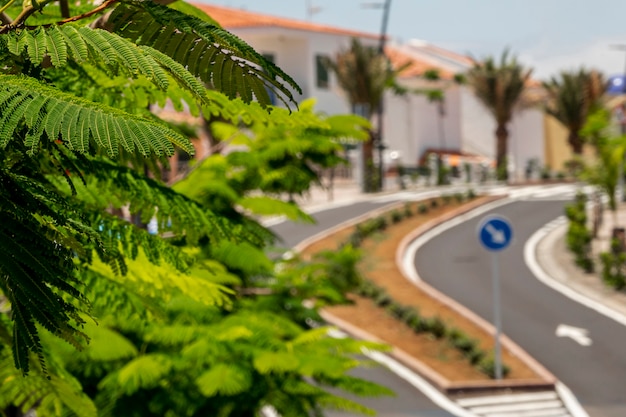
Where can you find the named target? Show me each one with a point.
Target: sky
(547, 35)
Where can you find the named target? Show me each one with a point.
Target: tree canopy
(99, 315)
(499, 86)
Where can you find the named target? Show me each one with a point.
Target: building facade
(413, 125)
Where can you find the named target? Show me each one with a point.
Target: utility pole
(311, 10)
(379, 145)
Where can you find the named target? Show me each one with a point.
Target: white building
(412, 125)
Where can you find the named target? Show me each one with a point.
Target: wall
(526, 142)
(413, 124)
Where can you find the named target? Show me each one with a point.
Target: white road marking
(577, 334)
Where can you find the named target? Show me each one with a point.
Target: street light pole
(381, 105)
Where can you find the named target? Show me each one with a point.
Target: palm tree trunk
(368, 164)
(575, 142)
(502, 137)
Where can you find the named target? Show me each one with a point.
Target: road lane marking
(506, 399)
(577, 334)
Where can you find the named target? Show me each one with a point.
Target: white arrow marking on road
(497, 235)
(576, 333)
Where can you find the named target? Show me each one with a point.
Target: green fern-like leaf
(234, 67)
(266, 362)
(100, 47)
(143, 372)
(76, 120)
(225, 379)
(49, 394)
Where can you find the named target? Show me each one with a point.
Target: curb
(546, 380)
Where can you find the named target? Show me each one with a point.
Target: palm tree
(499, 86)
(572, 97)
(363, 74)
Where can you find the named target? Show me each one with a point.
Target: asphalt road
(531, 312)
(408, 401)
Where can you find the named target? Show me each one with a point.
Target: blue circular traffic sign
(495, 232)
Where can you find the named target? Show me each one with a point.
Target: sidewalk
(558, 262)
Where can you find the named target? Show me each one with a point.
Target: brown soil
(379, 266)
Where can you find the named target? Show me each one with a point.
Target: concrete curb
(546, 380)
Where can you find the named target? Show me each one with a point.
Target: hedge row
(434, 326)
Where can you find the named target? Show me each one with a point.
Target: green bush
(407, 210)
(396, 216)
(471, 194)
(383, 299)
(436, 327)
(340, 267)
(614, 266)
(422, 209)
(434, 203)
(579, 237)
(355, 239)
(475, 356)
(465, 344)
(488, 367)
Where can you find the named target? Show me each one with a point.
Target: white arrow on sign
(575, 333)
(497, 235)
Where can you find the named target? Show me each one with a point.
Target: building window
(321, 70)
(271, 58)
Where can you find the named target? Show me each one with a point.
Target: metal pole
(497, 317)
(381, 105)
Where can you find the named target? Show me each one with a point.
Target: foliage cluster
(578, 237)
(614, 266)
(100, 317)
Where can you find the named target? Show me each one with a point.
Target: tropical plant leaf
(224, 379)
(234, 67)
(76, 120)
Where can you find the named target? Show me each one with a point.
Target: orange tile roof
(464, 59)
(416, 67)
(231, 18)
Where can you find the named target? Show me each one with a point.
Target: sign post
(495, 234)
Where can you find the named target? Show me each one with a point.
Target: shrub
(412, 318)
(355, 239)
(396, 217)
(475, 356)
(471, 194)
(465, 344)
(436, 327)
(488, 367)
(341, 267)
(578, 238)
(407, 209)
(434, 203)
(422, 209)
(459, 197)
(383, 299)
(614, 266)
(395, 309)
